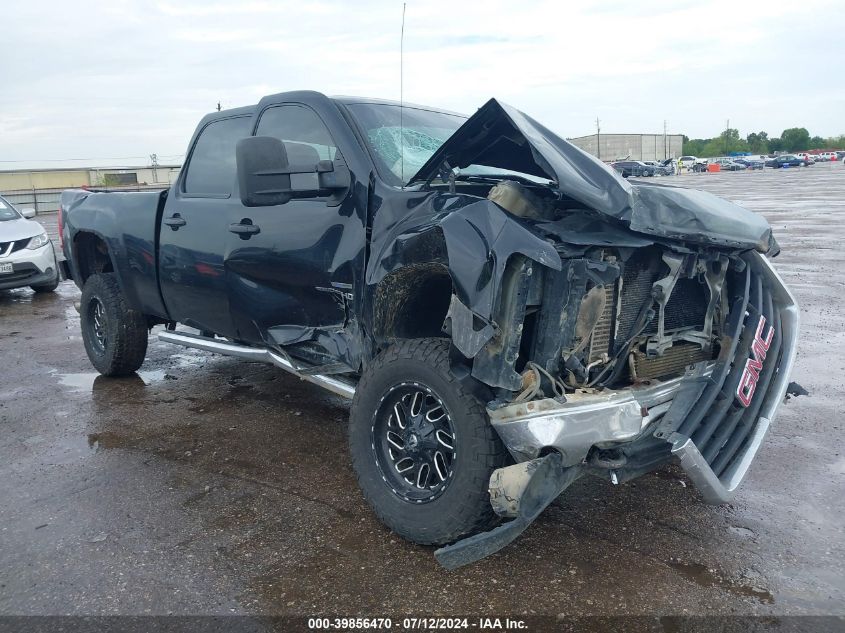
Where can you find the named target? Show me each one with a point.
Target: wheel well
(92, 255)
(412, 303)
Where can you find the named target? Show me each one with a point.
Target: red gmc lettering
(751, 373)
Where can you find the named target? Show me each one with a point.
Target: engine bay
(620, 312)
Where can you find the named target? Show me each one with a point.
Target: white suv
(27, 257)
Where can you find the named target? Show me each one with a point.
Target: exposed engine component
(516, 199)
(663, 313)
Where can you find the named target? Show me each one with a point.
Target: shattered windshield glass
(401, 147)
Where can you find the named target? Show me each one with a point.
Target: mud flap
(546, 481)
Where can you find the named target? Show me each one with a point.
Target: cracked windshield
(401, 147)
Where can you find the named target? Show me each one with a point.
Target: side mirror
(28, 213)
(265, 175)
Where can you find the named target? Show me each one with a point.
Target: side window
(306, 139)
(211, 170)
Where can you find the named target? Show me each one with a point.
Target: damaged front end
(617, 326)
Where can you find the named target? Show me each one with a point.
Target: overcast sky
(114, 81)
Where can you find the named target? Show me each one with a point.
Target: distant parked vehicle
(807, 158)
(688, 161)
(726, 164)
(787, 160)
(635, 168)
(661, 168)
(750, 163)
(668, 166)
(27, 257)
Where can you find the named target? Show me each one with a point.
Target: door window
(306, 138)
(211, 169)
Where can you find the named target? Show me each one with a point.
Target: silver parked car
(27, 257)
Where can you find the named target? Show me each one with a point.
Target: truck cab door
(194, 231)
(292, 267)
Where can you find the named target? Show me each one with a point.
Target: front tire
(115, 336)
(422, 446)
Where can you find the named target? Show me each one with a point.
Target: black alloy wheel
(96, 325)
(414, 442)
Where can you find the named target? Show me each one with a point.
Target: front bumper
(714, 439)
(30, 268)
(603, 419)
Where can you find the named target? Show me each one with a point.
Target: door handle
(245, 228)
(174, 221)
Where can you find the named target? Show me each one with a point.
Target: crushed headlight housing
(38, 241)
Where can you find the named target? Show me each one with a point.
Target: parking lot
(210, 485)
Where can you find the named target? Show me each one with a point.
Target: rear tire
(115, 336)
(453, 500)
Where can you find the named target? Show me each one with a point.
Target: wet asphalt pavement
(210, 485)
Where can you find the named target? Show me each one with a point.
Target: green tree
(694, 147)
(775, 145)
(728, 141)
(108, 180)
(795, 139)
(758, 142)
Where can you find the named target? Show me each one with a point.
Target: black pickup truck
(506, 312)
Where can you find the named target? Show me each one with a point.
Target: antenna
(598, 138)
(402, 97)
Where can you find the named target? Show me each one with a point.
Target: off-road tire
(125, 330)
(464, 505)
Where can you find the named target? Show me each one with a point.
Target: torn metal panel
(697, 216)
(500, 136)
(340, 344)
(480, 238)
(473, 237)
(495, 363)
(580, 229)
(547, 481)
(461, 327)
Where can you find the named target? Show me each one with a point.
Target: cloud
(106, 78)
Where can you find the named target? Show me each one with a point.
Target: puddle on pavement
(706, 577)
(84, 382)
(106, 439)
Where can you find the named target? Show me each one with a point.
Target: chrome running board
(257, 354)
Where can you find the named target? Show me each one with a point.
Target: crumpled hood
(500, 136)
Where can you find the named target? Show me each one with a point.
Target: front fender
(472, 237)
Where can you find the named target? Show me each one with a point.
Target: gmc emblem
(751, 373)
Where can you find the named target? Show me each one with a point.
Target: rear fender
(126, 223)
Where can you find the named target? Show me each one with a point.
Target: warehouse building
(40, 189)
(610, 147)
